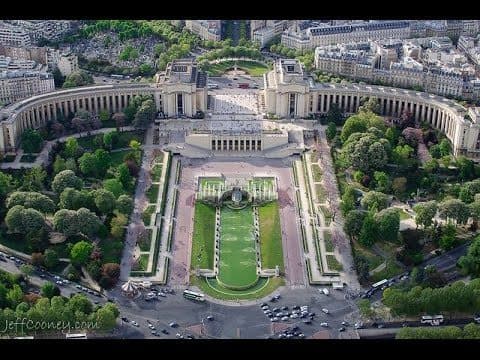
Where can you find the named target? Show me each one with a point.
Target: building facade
(206, 29)
(17, 85)
(14, 36)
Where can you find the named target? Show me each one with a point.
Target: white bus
(188, 294)
(76, 336)
(433, 320)
(380, 283)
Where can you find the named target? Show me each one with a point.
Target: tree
(105, 319)
(366, 152)
(34, 179)
(22, 220)
(117, 226)
(104, 115)
(331, 131)
(447, 241)
(145, 114)
(369, 232)
(466, 168)
(50, 258)
(66, 222)
(399, 186)
(360, 123)
(103, 160)
(468, 191)
(80, 252)
(348, 200)
(88, 222)
(74, 199)
(119, 118)
(88, 164)
(354, 222)
(72, 149)
(124, 204)
(80, 302)
(425, 212)
(110, 274)
(31, 141)
(382, 181)
(445, 147)
(365, 308)
(7, 184)
(105, 201)
(78, 78)
(370, 105)
(14, 296)
(334, 115)
(59, 164)
(37, 259)
(27, 270)
(49, 290)
(33, 200)
(388, 224)
(470, 263)
(58, 78)
(374, 200)
(123, 175)
(402, 155)
(114, 185)
(64, 179)
(454, 209)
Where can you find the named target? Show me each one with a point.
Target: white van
(325, 291)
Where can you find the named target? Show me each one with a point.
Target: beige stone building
(206, 29)
(17, 85)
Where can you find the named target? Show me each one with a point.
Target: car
(285, 318)
(345, 323)
(210, 318)
(273, 299)
(165, 331)
(235, 78)
(153, 332)
(325, 291)
(173, 324)
(284, 307)
(277, 297)
(296, 307)
(12, 258)
(263, 304)
(96, 302)
(275, 309)
(295, 328)
(274, 319)
(341, 329)
(59, 283)
(124, 319)
(301, 335)
(134, 323)
(380, 326)
(78, 286)
(358, 325)
(111, 300)
(151, 327)
(42, 276)
(307, 321)
(66, 282)
(294, 316)
(190, 337)
(311, 314)
(324, 324)
(325, 310)
(56, 277)
(3, 259)
(179, 336)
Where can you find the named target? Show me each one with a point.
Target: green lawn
(203, 242)
(270, 236)
(320, 191)
(156, 172)
(152, 193)
(390, 270)
(205, 181)
(260, 181)
(316, 173)
(146, 216)
(145, 240)
(142, 263)
(333, 263)
(237, 267)
(117, 157)
(314, 157)
(262, 288)
(124, 139)
(327, 214)
(404, 215)
(327, 235)
(158, 158)
(253, 68)
(373, 259)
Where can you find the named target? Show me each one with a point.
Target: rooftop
(183, 71)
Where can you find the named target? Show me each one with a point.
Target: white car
(324, 324)
(325, 291)
(134, 323)
(325, 310)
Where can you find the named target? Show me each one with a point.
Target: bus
(76, 336)
(379, 284)
(193, 295)
(434, 320)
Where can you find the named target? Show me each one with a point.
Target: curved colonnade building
(181, 91)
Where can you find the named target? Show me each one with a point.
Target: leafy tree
(331, 131)
(360, 123)
(124, 204)
(334, 115)
(365, 308)
(447, 241)
(72, 149)
(117, 226)
(27, 270)
(402, 155)
(64, 179)
(470, 263)
(468, 191)
(88, 222)
(370, 105)
(81, 252)
(14, 296)
(22, 220)
(348, 200)
(431, 166)
(49, 290)
(105, 318)
(75, 199)
(71, 164)
(88, 164)
(105, 201)
(454, 209)
(104, 115)
(362, 267)
(59, 164)
(78, 78)
(110, 139)
(66, 221)
(50, 258)
(7, 184)
(425, 212)
(119, 118)
(374, 200)
(123, 175)
(33, 200)
(369, 232)
(392, 134)
(31, 141)
(354, 222)
(466, 168)
(399, 186)
(80, 303)
(103, 160)
(366, 152)
(382, 181)
(388, 224)
(435, 151)
(445, 147)
(37, 259)
(110, 273)
(145, 114)
(34, 179)
(114, 186)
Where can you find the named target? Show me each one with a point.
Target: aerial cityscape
(239, 179)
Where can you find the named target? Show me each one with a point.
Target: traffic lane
(449, 257)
